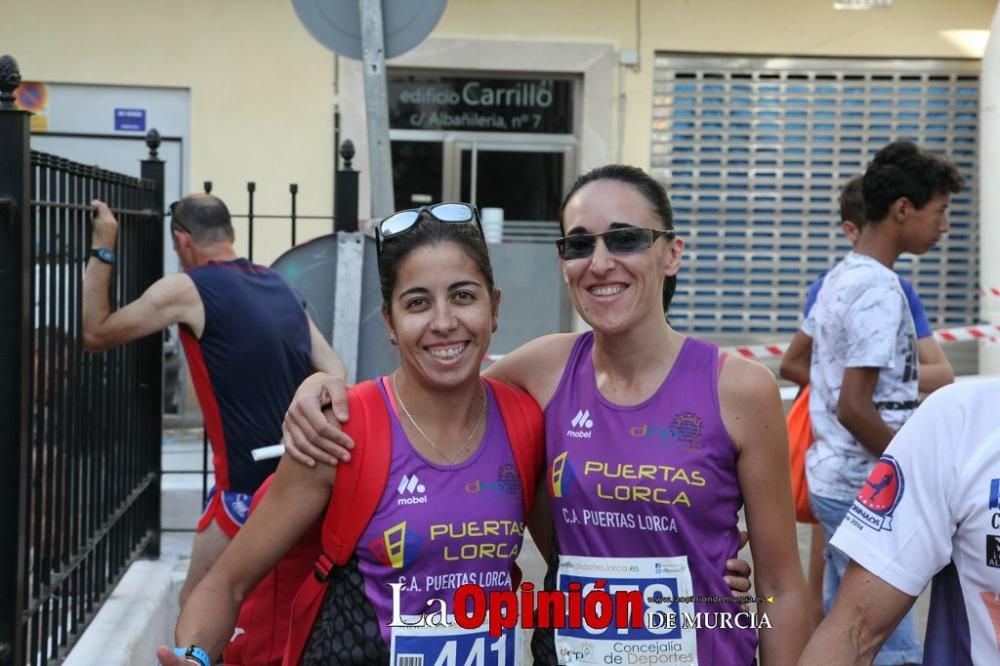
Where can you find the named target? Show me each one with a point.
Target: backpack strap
(522, 418)
(359, 484)
(357, 490)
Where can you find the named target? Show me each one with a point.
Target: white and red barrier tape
(959, 334)
(760, 351)
(964, 333)
(988, 332)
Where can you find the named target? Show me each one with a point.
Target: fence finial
(347, 152)
(152, 142)
(10, 79)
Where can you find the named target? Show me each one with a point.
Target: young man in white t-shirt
(933, 368)
(863, 371)
(930, 508)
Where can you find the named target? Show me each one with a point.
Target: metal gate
(80, 433)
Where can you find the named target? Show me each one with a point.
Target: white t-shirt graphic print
(861, 320)
(943, 521)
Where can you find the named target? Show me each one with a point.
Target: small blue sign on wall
(130, 120)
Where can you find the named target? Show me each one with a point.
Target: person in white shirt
(929, 509)
(863, 370)
(933, 368)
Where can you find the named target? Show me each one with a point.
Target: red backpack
(286, 602)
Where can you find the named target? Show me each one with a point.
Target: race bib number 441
(450, 645)
(657, 588)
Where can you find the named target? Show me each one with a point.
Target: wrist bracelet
(195, 653)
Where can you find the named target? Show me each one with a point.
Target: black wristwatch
(103, 254)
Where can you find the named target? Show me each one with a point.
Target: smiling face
(441, 315)
(613, 293)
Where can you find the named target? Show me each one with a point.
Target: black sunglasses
(623, 240)
(405, 220)
(174, 220)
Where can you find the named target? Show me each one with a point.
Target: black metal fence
(80, 433)
(345, 217)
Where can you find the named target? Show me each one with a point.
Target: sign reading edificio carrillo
(434, 102)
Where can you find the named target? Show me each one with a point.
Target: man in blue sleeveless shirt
(248, 340)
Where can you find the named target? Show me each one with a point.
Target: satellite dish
(311, 270)
(336, 24)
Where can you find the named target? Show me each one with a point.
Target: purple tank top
(438, 527)
(650, 491)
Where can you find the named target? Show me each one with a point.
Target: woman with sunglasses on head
(654, 442)
(428, 531)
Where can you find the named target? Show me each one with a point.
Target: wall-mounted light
(862, 4)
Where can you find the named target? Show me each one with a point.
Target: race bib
(664, 584)
(453, 646)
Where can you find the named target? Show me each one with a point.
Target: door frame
(452, 167)
(455, 142)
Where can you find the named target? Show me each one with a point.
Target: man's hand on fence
(104, 225)
(312, 433)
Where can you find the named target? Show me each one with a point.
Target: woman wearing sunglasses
(673, 440)
(429, 532)
(654, 442)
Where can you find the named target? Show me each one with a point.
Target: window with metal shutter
(754, 151)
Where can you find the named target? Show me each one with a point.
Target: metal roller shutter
(754, 151)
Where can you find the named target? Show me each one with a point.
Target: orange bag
(800, 438)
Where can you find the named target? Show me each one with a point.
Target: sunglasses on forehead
(623, 240)
(406, 220)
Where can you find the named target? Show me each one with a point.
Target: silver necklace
(449, 460)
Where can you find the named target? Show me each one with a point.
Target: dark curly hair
(903, 170)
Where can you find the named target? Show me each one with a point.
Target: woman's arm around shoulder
(753, 416)
(536, 366)
(298, 496)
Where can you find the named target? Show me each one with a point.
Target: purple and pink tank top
(436, 528)
(646, 497)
